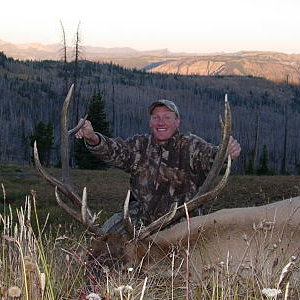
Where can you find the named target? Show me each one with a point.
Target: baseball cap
(164, 102)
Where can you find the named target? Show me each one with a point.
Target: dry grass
(39, 265)
(46, 256)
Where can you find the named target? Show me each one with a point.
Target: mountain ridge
(41, 52)
(275, 66)
(271, 65)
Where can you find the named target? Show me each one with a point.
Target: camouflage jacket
(160, 174)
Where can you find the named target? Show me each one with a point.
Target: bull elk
(244, 240)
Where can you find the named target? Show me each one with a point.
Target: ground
(107, 190)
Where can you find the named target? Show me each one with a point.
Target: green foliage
(263, 168)
(298, 169)
(250, 168)
(84, 159)
(43, 135)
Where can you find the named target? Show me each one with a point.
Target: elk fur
(246, 240)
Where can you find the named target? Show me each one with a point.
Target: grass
(51, 265)
(103, 195)
(107, 190)
(32, 260)
(39, 241)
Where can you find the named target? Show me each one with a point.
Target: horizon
(195, 27)
(150, 50)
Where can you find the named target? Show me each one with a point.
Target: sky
(194, 26)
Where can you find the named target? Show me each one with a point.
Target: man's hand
(87, 132)
(234, 148)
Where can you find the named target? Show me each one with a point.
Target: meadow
(43, 253)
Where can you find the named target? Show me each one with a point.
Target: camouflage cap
(164, 102)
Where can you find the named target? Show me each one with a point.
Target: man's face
(163, 123)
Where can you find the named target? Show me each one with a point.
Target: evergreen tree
(96, 114)
(249, 168)
(263, 168)
(298, 169)
(43, 135)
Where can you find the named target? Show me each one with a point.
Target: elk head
(109, 248)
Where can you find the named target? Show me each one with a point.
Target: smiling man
(164, 120)
(165, 166)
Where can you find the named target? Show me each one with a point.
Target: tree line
(265, 114)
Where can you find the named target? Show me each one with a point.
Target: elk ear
(115, 243)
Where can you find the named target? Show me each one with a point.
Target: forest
(266, 115)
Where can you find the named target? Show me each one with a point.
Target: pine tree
(263, 167)
(249, 168)
(96, 114)
(43, 135)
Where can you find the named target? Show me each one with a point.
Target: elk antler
(205, 192)
(129, 227)
(65, 186)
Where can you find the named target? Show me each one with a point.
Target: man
(165, 166)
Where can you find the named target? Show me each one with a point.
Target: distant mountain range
(275, 66)
(278, 67)
(36, 51)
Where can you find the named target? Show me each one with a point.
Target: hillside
(278, 67)
(266, 115)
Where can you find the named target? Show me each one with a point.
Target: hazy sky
(185, 25)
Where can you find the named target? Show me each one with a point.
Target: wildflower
(43, 281)
(128, 289)
(123, 289)
(93, 296)
(29, 264)
(221, 263)
(271, 293)
(207, 267)
(14, 292)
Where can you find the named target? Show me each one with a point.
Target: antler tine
(191, 205)
(203, 194)
(129, 227)
(65, 189)
(159, 223)
(64, 136)
(197, 200)
(82, 218)
(221, 154)
(78, 126)
(65, 186)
